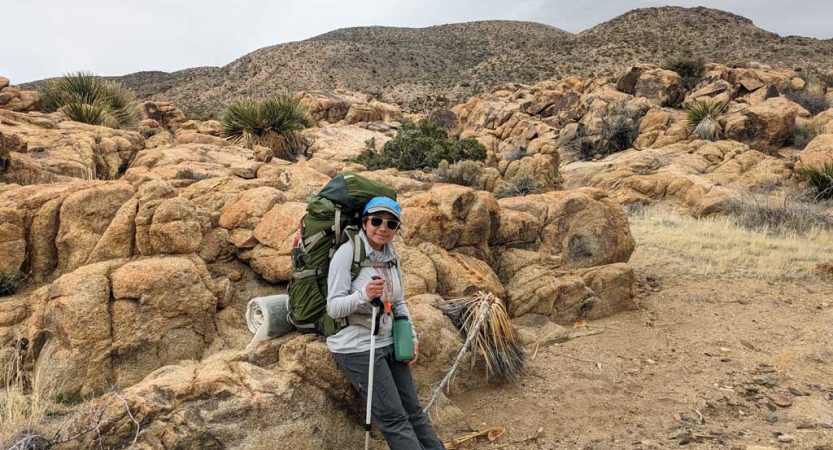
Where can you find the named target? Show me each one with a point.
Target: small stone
(796, 392)
(770, 417)
(725, 359)
(633, 371)
(770, 406)
(786, 438)
(765, 380)
(781, 399)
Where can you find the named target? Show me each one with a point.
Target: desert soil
(703, 362)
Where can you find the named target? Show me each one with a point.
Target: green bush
(84, 97)
(820, 179)
(10, 283)
(688, 67)
(421, 146)
(702, 117)
(464, 173)
(275, 123)
(519, 185)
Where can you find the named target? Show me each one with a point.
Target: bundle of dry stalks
(485, 324)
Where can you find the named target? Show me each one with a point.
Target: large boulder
(584, 227)
(341, 143)
(12, 242)
(117, 321)
(275, 233)
(14, 99)
(770, 123)
(662, 87)
(70, 149)
(818, 152)
(165, 114)
(450, 216)
(567, 296)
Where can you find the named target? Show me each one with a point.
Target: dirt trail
(703, 363)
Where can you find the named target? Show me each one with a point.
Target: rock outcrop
(14, 99)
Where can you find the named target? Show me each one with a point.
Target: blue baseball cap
(383, 204)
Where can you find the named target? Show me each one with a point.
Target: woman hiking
(395, 404)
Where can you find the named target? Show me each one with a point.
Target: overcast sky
(46, 38)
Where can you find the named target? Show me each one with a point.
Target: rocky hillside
(438, 66)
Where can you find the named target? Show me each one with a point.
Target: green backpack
(333, 216)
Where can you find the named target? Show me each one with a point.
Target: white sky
(46, 38)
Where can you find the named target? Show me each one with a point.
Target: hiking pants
(396, 409)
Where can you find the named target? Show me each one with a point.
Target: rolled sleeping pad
(267, 318)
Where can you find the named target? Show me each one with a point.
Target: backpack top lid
(353, 191)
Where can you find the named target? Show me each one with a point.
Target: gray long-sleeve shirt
(347, 298)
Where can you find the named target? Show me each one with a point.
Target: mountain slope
(421, 68)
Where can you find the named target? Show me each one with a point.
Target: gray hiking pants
(395, 408)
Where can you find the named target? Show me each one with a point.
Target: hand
(416, 354)
(374, 289)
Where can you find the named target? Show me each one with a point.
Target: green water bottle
(403, 339)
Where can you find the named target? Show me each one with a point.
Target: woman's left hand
(416, 354)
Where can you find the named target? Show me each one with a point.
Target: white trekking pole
(375, 304)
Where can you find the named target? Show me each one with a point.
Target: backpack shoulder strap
(359, 252)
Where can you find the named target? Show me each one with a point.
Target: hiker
(395, 404)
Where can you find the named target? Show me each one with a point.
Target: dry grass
(716, 246)
(24, 405)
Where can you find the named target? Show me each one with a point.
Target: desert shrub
(792, 212)
(465, 173)
(275, 123)
(688, 67)
(421, 146)
(819, 178)
(702, 116)
(518, 153)
(806, 132)
(190, 174)
(519, 185)
(619, 129)
(10, 283)
(738, 64)
(84, 97)
(810, 98)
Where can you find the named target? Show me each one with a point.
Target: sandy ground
(704, 362)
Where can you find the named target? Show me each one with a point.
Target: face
(381, 235)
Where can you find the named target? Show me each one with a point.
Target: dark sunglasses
(377, 222)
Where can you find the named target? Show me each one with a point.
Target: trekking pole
(375, 303)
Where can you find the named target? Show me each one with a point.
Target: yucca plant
(702, 117)
(275, 123)
(84, 97)
(820, 178)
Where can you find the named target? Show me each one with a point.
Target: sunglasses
(390, 223)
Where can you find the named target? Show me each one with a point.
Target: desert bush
(190, 174)
(519, 185)
(790, 212)
(518, 153)
(465, 173)
(619, 129)
(421, 146)
(275, 123)
(10, 283)
(702, 117)
(84, 97)
(738, 64)
(806, 132)
(689, 68)
(820, 179)
(810, 98)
